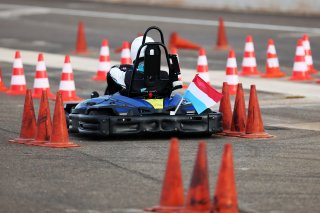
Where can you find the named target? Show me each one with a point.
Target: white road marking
(84, 64)
(29, 10)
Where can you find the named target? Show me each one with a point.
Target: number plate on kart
(156, 103)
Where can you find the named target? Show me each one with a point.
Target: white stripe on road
(281, 86)
(148, 18)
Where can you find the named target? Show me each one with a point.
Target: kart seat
(153, 82)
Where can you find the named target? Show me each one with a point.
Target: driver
(116, 77)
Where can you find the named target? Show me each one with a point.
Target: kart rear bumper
(128, 125)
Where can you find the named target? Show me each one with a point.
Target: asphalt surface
(276, 175)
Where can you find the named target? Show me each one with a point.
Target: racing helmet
(135, 45)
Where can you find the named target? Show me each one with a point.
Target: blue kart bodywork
(120, 115)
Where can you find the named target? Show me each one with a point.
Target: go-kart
(134, 111)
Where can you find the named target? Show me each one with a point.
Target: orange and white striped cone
(307, 49)
(67, 86)
(232, 77)
(272, 63)
(18, 79)
(41, 81)
(104, 62)
(125, 53)
(300, 68)
(3, 87)
(249, 63)
(174, 51)
(202, 66)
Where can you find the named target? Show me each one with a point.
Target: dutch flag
(201, 94)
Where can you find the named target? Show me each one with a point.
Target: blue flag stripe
(198, 105)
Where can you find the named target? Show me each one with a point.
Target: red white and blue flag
(201, 94)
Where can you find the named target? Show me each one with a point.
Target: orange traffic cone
(28, 126)
(238, 124)
(18, 80)
(59, 135)
(202, 66)
(178, 42)
(249, 63)
(67, 86)
(225, 109)
(198, 198)
(232, 78)
(81, 44)
(254, 126)
(41, 81)
(44, 126)
(225, 197)
(222, 41)
(3, 87)
(308, 53)
(300, 68)
(172, 198)
(272, 63)
(125, 53)
(104, 62)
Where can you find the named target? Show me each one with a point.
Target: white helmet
(135, 45)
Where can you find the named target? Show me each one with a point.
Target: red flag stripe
(207, 89)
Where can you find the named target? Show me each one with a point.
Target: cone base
(37, 142)
(59, 145)
(99, 78)
(3, 88)
(13, 92)
(273, 75)
(163, 209)
(75, 98)
(222, 47)
(257, 73)
(233, 133)
(313, 71)
(257, 135)
(300, 78)
(20, 140)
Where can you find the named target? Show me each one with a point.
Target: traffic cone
(125, 53)
(104, 62)
(238, 124)
(81, 44)
(18, 80)
(202, 66)
(172, 198)
(254, 126)
(272, 63)
(225, 109)
(300, 68)
(198, 198)
(249, 63)
(232, 78)
(44, 126)
(3, 87)
(59, 135)
(67, 86)
(178, 42)
(225, 197)
(28, 126)
(41, 81)
(174, 51)
(222, 41)
(308, 53)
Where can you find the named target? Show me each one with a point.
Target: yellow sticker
(156, 103)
